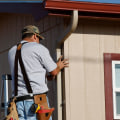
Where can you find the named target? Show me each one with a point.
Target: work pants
(24, 112)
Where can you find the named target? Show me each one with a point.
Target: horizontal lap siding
(85, 76)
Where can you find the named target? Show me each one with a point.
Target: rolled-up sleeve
(47, 60)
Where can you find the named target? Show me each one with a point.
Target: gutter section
(83, 6)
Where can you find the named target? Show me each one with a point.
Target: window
(112, 85)
(116, 88)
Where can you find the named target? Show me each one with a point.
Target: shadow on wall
(97, 25)
(94, 60)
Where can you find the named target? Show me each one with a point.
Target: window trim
(115, 90)
(108, 58)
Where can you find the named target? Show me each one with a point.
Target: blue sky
(37, 1)
(101, 1)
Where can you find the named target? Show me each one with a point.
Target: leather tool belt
(12, 111)
(27, 97)
(44, 112)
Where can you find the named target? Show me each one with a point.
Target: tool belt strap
(26, 97)
(19, 58)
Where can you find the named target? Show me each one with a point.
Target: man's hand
(60, 65)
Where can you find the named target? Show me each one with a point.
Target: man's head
(29, 31)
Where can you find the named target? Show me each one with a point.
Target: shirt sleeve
(47, 60)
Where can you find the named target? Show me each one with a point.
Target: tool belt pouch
(41, 99)
(45, 113)
(12, 111)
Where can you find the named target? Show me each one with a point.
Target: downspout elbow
(71, 28)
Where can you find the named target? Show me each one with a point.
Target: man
(37, 62)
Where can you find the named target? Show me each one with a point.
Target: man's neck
(28, 40)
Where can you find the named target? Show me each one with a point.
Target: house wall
(10, 34)
(84, 78)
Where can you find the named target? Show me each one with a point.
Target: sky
(101, 1)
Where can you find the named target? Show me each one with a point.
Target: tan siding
(91, 64)
(85, 76)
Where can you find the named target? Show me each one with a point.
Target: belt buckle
(31, 95)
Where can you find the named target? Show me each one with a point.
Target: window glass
(117, 75)
(118, 103)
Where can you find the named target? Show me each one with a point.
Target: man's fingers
(65, 60)
(66, 65)
(60, 57)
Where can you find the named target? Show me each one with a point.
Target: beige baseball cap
(32, 29)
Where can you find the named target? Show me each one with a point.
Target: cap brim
(41, 37)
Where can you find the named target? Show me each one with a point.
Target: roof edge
(83, 6)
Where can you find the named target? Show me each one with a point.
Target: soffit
(62, 7)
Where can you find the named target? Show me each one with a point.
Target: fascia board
(83, 6)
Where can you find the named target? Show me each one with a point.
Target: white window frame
(115, 90)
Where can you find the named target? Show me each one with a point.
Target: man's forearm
(56, 71)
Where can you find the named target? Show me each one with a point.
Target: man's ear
(35, 37)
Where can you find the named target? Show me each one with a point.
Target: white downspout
(71, 28)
